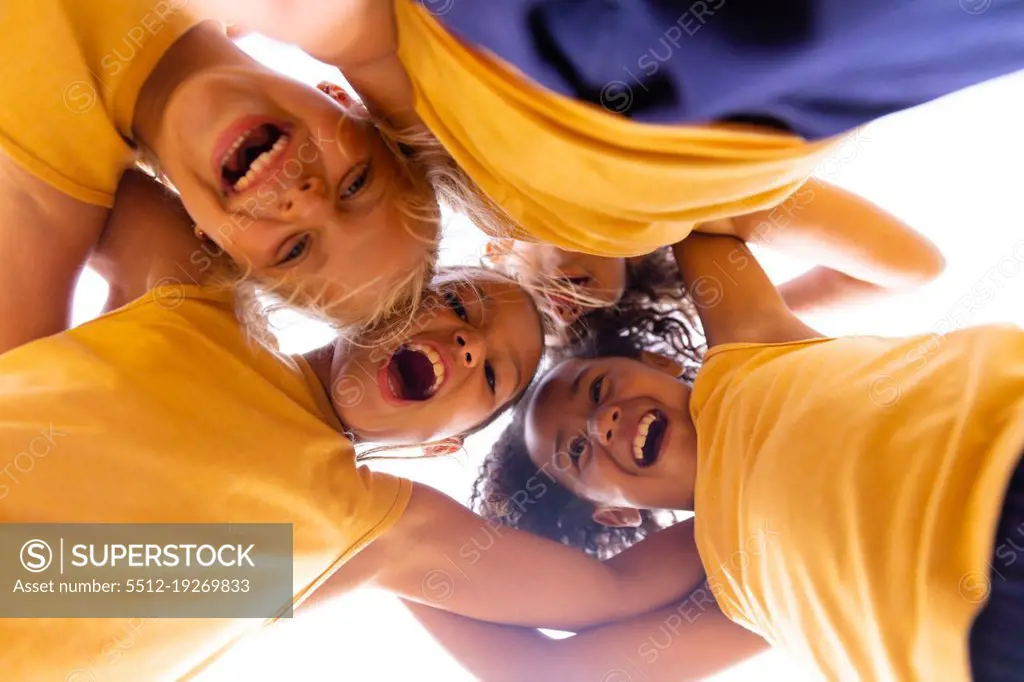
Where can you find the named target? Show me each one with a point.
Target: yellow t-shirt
(580, 177)
(848, 493)
(162, 412)
(72, 71)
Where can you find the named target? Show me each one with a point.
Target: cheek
(202, 206)
(604, 483)
(459, 412)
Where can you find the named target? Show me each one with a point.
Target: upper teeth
(261, 161)
(435, 360)
(640, 440)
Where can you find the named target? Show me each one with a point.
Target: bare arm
(736, 301)
(45, 240)
(862, 251)
(441, 554)
(689, 641)
(148, 241)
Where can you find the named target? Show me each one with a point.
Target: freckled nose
(604, 423)
(469, 349)
(302, 199)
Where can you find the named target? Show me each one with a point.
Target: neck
(321, 361)
(203, 47)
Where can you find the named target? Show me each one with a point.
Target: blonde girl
(163, 412)
(731, 121)
(300, 187)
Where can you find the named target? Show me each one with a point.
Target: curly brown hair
(513, 491)
(655, 311)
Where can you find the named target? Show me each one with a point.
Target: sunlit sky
(952, 169)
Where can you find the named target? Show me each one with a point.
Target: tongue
(412, 373)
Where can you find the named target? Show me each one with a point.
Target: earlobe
(661, 363)
(617, 517)
(443, 448)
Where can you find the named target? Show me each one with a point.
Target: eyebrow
(574, 388)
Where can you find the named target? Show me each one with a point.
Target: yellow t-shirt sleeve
(73, 70)
(579, 177)
(163, 412)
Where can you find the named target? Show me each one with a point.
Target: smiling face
(597, 278)
(293, 189)
(616, 432)
(473, 347)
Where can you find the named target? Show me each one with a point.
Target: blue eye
(357, 185)
(489, 375)
(455, 303)
(297, 250)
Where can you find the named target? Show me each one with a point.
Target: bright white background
(953, 169)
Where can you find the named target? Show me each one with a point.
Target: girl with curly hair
(856, 500)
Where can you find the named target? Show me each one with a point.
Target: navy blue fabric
(817, 67)
(997, 638)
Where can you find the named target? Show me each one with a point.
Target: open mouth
(251, 155)
(415, 372)
(649, 437)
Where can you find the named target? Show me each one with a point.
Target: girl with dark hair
(556, 513)
(855, 498)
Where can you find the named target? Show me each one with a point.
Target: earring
(200, 234)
